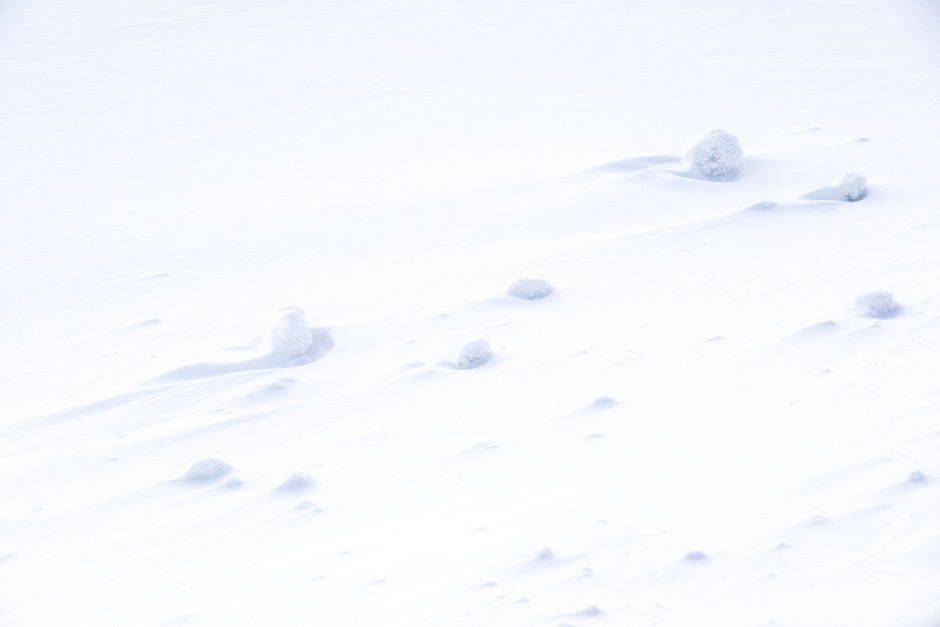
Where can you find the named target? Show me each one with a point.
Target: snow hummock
(295, 482)
(289, 334)
(716, 154)
(474, 354)
(530, 289)
(208, 469)
(851, 186)
(878, 304)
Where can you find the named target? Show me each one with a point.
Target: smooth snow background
(700, 424)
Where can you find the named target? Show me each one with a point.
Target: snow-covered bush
(474, 354)
(530, 289)
(289, 335)
(717, 154)
(878, 304)
(207, 470)
(851, 186)
(296, 482)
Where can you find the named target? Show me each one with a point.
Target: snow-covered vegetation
(716, 154)
(530, 289)
(726, 412)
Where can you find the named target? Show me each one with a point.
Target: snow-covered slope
(388, 313)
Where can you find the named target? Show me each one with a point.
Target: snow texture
(530, 289)
(399, 163)
(716, 154)
(474, 354)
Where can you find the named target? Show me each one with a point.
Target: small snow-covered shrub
(289, 334)
(851, 186)
(474, 354)
(207, 470)
(530, 289)
(717, 154)
(878, 304)
(296, 482)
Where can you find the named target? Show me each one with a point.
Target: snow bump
(206, 470)
(530, 289)
(878, 305)
(474, 354)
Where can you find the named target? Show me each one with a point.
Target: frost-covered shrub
(851, 186)
(878, 304)
(289, 334)
(717, 154)
(474, 354)
(530, 289)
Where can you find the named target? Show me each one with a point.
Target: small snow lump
(207, 470)
(289, 335)
(295, 482)
(530, 289)
(851, 186)
(474, 354)
(716, 153)
(878, 304)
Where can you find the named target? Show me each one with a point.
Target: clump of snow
(530, 289)
(289, 334)
(878, 304)
(604, 401)
(917, 477)
(716, 153)
(474, 354)
(295, 482)
(695, 556)
(851, 186)
(207, 470)
(591, 611)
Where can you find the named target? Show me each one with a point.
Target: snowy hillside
(423, 314)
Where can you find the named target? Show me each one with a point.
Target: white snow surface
(726, 413)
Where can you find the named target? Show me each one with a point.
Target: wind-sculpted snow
(712, 415)
(850, 187)
(289, 342)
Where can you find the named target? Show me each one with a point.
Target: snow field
(724, 413)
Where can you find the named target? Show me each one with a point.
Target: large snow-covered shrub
(474, 354)
(289, 335)
(851, 186)
(717, 154)
(530, 289)
(878, 304)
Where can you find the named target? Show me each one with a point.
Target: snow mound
(474, 354)
(530, 289)
(878, 304)
(207, 470)
(289, 342)
(295, 482)
(851, 186)
(289, 334)
(716, 153)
